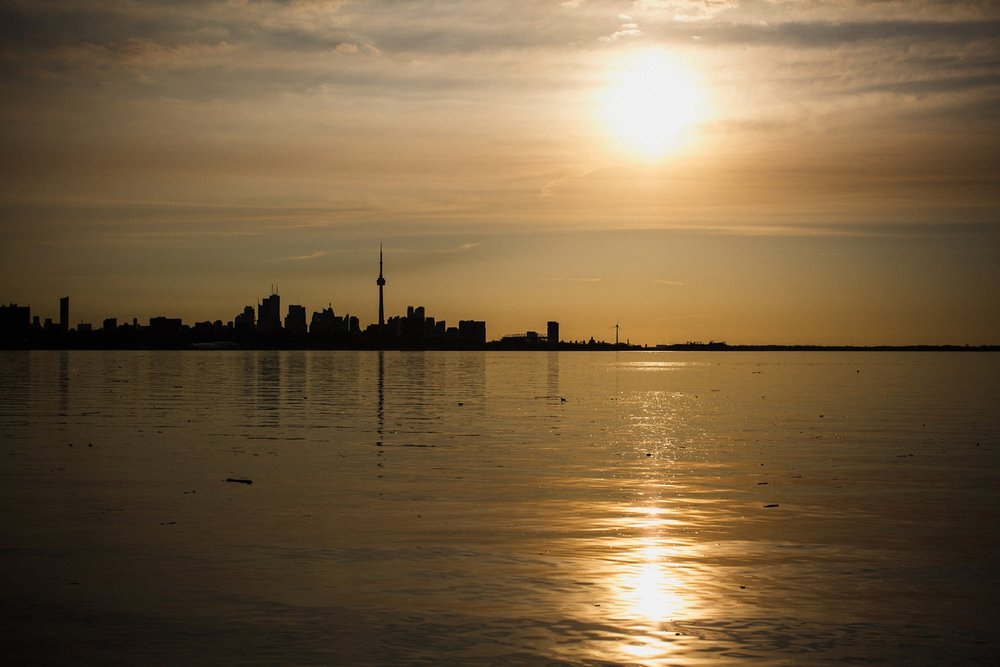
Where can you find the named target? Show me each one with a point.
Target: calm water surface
(491, 508)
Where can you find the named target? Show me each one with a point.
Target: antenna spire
(381, 283)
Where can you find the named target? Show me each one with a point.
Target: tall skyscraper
(381, 283)
(295, 320)
(552, 334)
(269, 314)
(64, 313)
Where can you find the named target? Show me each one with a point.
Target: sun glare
(651, 103)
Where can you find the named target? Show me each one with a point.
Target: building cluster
(260, 327)
(265, 326)
(531, 340)
(18, 326)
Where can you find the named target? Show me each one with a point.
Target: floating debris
(238, 480)
(771, 505)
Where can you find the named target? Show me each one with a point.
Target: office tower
(15, 324)
(269, 314)
(244, 321)
(552, 335)
(295, 320)
(64, 313)
(472, 332)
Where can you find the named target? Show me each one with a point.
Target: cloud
(573, 280)
(303, 258)
(668, 282)
(688, 10)
(822, 34)
(443, 109)
(876, 10)
(628, 28)
(815, 33)
(420, 50)
(931, 85)
(465, 247)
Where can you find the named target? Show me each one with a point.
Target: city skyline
(263, 323)
(266, 319)
(762, 171)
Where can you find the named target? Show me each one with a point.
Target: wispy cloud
(573, 280)
(668, 282)
(688, 10)
(305, 258)
(465, 247)
(628, 28)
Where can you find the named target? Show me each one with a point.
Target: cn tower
(381, 283)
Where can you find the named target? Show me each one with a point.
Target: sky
(754, 171)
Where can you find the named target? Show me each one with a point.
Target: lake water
(653, 508)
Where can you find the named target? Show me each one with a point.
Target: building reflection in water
(63, 382)
(295, 370)
(552, 374)
(380, 398)
(268, 380)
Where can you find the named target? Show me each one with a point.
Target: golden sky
(756, 171)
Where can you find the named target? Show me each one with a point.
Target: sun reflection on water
(649, 584)
(650, 587)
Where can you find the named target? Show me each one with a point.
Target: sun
(651, 103)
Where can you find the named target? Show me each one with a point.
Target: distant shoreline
(831, 348)
(499, 346)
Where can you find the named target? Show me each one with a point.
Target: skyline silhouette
(263, 327)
